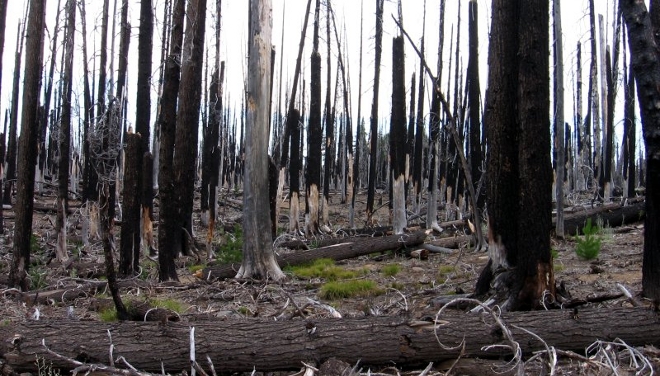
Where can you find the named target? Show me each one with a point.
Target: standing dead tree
(373, 128)
(315, 136)
(65, 133)
(559, 116)
(167, 236)
(398, 137)
(258, 256)
(27, 153)
(645, 61)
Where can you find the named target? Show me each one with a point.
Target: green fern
(588, 246)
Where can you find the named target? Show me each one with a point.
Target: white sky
(234, 33)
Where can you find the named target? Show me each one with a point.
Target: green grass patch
(108, 315)
(321, 268)
(443, 272)
(391, 270)
(349, 289)
(194, 268)
(171, 304)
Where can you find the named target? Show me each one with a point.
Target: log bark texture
(612, 215)
(271, 345)
(351, 248)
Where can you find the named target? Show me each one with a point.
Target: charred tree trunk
(328, 114)
(373, 129)
(559, 116)
(187, 120)
(358, 138)
(519, 155)
(594, 104)
(417, 160)
(608, 152)
(27, 157)
(474, 104)
(398, 137)
(129, 251)
(144, 205)
(628, 144)
(90, 177)
(169, 242)
(62, 201)
(314, 138)
(645, 62)
(258, 256)
(13, 121)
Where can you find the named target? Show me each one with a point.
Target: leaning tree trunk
(645, 62)
(258, 255)
(3, 23)
(398, 137)
(187, 121)
(65, 135)
(27, 153)
(167, 225)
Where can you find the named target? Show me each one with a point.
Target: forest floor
(402, 284)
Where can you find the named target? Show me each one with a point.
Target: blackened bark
(62, 202)
(534, 262)
(13, 120)
(474, 102)
(147, 200)
(398, 136)
(503, 185)
(27, 157)
(168, 242)
(187, 119)
(293, 121)
(629, 138)
(371, 189)
(129, 251)
(314, 138)
(645, 62)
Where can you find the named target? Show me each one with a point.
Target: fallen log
(351, 247)
(612, 215)
(240, 345)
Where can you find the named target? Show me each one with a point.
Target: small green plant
(349, 289)
(321, 268)
(554, 254)
(232, 249)
(194, 268)
(588, 246)
(37, 277)
(391, 270)
(34, 244)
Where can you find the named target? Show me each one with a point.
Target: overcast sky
(234, 38)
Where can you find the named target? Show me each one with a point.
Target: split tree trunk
(267, 345)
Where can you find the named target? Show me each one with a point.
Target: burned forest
(329, 187)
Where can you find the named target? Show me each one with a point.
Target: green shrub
(232, 249)
(348, 289)
(588, 246)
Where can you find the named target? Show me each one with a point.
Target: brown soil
(410, 291)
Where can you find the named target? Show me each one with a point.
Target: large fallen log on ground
(612, 215)
(351, 247)
(240, 345)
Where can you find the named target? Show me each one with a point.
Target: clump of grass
(349, 289)
(232, 249)
(391, 270)
(321, 268)
(108, 315)
(37, 277)
(588, 246)
(194, 268)
(171, 304)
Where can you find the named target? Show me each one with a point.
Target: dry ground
(410, 290)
